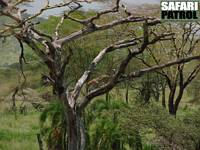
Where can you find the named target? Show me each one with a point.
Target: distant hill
(9, 52)
(9, 48)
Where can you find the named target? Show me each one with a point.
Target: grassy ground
(18, 131)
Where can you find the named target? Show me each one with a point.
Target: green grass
(17, 131)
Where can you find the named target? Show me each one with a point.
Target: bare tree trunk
(72, 132)
(116, 145)
(163, 97)
(171, 100)
(178, 99)
(76, 137)
(197, 145)
(174, 102)
(75, 131)
(107, 97)
(13, 98)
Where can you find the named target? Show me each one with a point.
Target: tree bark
(13, 99)
(116, 145)
(197, 145)
(76, 137)
(107, 97)
(163, 97)
(171, 100)
(174, 102)
(75, 130)
(178, 99)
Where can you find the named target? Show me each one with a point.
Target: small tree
(178, 77)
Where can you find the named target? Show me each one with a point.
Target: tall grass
(17, 131)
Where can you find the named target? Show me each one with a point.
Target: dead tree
(51, 48)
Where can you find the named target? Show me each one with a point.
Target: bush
(169, 132)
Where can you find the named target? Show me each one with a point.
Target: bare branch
(91, 29)
(115, 79)
(98, 58)
(146, 70)
(192, 75)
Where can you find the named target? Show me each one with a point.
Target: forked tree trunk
(75, 131)
(178, 99)
(76, 137)
(175, 101)
(171, 100)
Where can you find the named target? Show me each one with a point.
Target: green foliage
(150, 147)
(170, 132)
(104, 131)
(53, 125)
(149, 87)
(68, 26)
(193, 91)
